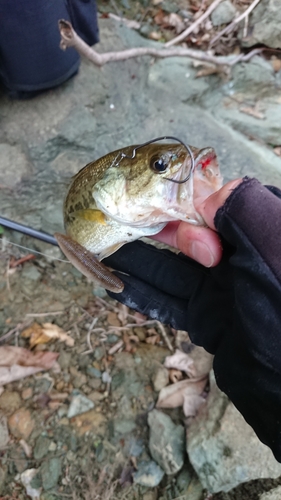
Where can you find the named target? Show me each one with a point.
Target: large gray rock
(274, 494)
(265, 25)
(224, 449)
(148, 474)
(176, 77)
(14, 165)
(255, 76)
(224, 13)
(166, 441)
(264, 126)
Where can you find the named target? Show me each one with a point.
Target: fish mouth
(204, 179)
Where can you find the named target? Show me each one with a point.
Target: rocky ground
(88, 428)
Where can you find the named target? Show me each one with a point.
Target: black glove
(233, 310)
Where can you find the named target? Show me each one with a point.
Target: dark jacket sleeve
(247, 361)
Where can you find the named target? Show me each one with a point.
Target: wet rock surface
(223, 448)
(103, 445)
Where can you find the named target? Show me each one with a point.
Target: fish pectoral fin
(88, 264)
(91, 214)
(110, 250)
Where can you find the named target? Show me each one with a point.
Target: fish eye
(159, 165)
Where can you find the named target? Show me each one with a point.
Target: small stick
(18, 262)
(69, 38)
(228, 28)
(194, 25)
(91, 327)
(246, 26)
(165, 336)
(42, 315)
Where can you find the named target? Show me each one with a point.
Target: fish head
(157, 183)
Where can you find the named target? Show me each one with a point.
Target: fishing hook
(123, 155)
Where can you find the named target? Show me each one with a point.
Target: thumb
(209, 207)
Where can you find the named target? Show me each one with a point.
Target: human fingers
(209, 207)
(200, 243)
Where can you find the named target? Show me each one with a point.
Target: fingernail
(202, 253)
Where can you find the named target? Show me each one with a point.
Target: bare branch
(69, 38)
(194, 25)
(228, 28)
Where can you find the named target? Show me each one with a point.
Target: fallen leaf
(277, 150)
(252, 112)
(155, 35)
(175, 21)
(192, 404)
(12, 355)
(41, 334)
(184, 393)
(276, 64)
(35, 334)
(55, 332)
(181, 361)
(17, 363)
(123, 313)
(175, 375)
(207, 72)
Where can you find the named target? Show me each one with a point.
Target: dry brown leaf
(276, 64)
(175, 375)
(175, 21)
(155, 35)
(277, 150)
(35, 335)
(16, 372)
(12, 355)
(252, 112)
(55, 332)
(182, 393)
(112, 319)
(41, 334)
(192, 404)
(207, 72)
(123, 312)
(30, 330)
(181, 361)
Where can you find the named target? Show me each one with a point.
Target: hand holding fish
(198, 242)
(231, 309)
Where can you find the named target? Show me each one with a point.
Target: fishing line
(124, 155)
(34, 251)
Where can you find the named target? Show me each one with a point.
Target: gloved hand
(233, 309)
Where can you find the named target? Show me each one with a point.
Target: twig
(194, 25)
(15, 330)
(130, 23)
(246, 26)
(42, 315)
(69, 38)
(91, 327)
(228, 28)
(165, 336)
(24, 259)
